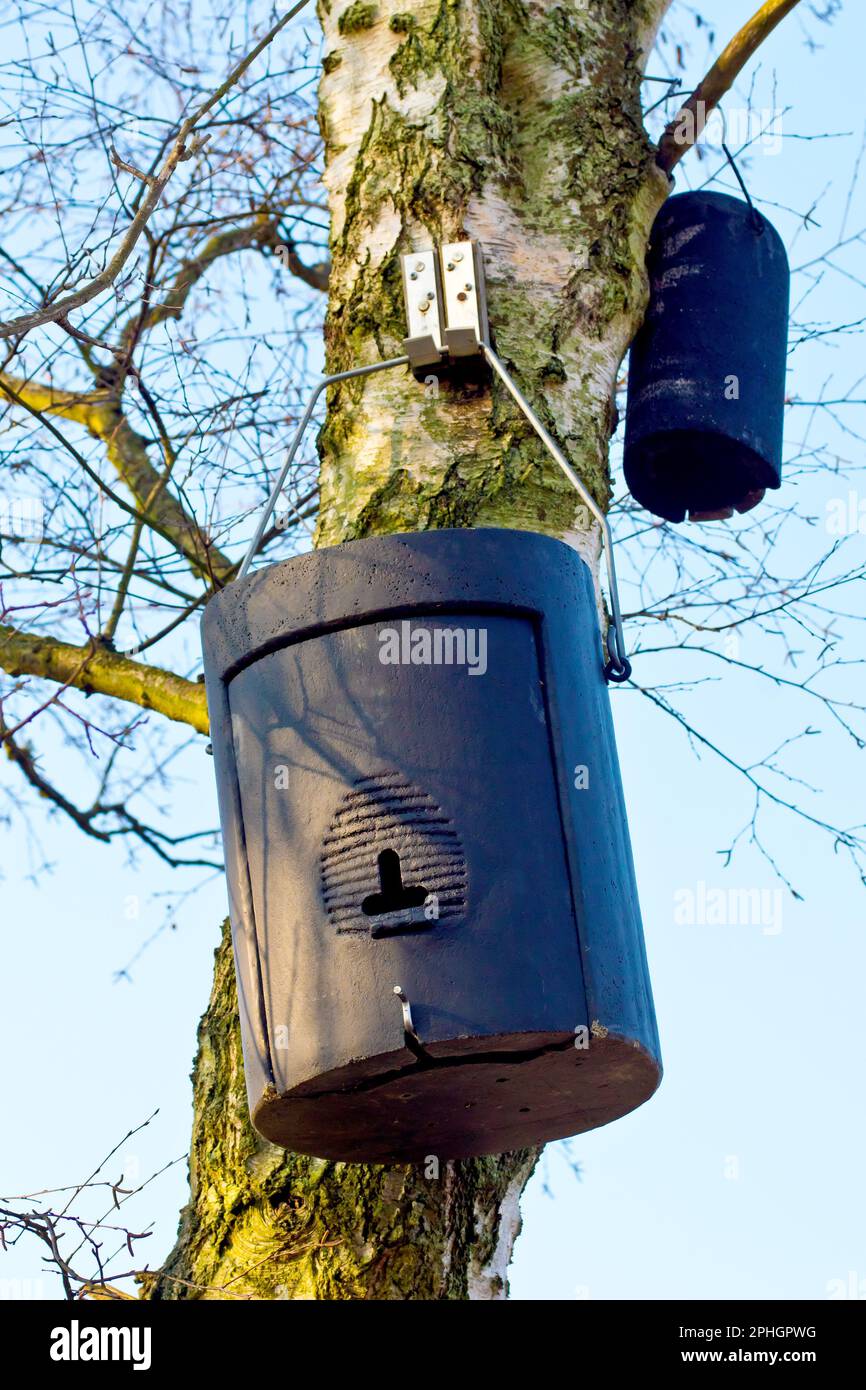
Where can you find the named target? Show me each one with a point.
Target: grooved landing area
(384, 813)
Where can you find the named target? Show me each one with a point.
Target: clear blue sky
(743, 1177)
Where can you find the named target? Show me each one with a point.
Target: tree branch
(98, 670)
(119, 821)
(180, 150)
(101, 415)
(262, 232)
(317, 276)
(25, 760)
(687, 126)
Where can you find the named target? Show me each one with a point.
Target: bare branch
(317, 276)
(98, 670)
(261, 232)
(685, 129)
(183, 147)
(101, 415)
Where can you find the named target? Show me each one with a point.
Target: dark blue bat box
(706, 383)
(436, 926)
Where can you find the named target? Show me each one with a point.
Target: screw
(458, 256)
(430, 295)
(412, 275)
(450, 265)
(468, 287)
(419, 265)
(461, 296)
(423, 307)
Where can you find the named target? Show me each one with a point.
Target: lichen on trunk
(519, 125)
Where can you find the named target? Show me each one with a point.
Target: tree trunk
(263, 1223)
(519, 125)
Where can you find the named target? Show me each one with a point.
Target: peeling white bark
(488, 1281)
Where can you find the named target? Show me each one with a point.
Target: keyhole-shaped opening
(393, 895)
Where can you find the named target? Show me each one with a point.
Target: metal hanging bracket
(446, 318)
(618, 666)
(465, 298)
(446, 304)
(424, 344)
(446, 314)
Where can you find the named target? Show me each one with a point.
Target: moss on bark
(520, 126)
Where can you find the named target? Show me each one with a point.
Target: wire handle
(618, 667)
(293, 447)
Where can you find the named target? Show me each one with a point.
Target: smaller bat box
(706, 384)
(436, 927)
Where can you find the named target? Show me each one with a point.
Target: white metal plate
(460, 282)
(422, 295)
